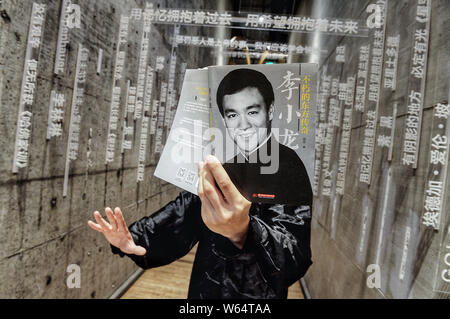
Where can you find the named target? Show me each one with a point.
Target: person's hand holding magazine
(224, 210)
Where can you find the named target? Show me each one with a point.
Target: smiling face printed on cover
(247, 118)
(245, 99)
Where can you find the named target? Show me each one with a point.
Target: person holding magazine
(247, 249)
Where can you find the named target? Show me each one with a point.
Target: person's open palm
(116, 231)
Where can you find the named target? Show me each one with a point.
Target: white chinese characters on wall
(345, 137)
(114, 116)
(438, 167)
(416, 82)
(340, 54)
(391, 62)
(361, 80)
(75, 116)
(28, 90)
(56, 115)
(332, 26)
(373, 95)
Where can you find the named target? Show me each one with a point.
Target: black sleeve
(279, 236)
(168, 234)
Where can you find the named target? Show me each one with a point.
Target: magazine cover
(186, 144)
(264, 120)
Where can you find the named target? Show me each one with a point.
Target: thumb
(139, 250)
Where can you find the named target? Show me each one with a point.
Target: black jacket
(275, 255)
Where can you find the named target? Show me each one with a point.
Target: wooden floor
(172, 282)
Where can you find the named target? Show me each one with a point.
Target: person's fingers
(222, 179)
(200, 183)
(101, 221)
(200, 190)
(112, 220)
(139, 250)
(120, 220)
(95, 226)
(207, 213)
(208, 186)
(211, 191)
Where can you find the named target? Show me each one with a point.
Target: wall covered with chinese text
(88, 90)
(381, 202)
(78, 133)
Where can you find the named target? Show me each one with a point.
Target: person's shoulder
(291, 163)
(287, 149)
(287, 153)
(294, 175)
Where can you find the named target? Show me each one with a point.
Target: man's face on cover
(246, 118)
